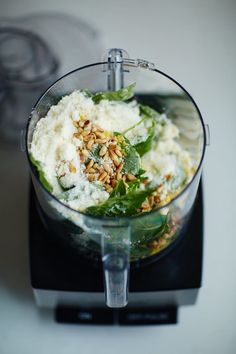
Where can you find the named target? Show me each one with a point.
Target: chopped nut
(77, 136)
(154, 244)
(106, 156)
(100, 141)
(72, 168)
(107, 167)
(85, 152)
(107, 179)
(102, 175)
(85, 132)
(109, 189)
(87, 122)
(131, 177)
(168, 177)
(88, 137)
(118, 152)
(124, 177)
(113, 183)
(145, 180)
(90, 144)
(113, 145)
(91, 177)
(103, 151)
(81, 123)
(121, 165)
(118, 176)
(90, 164)
(151, 200)
(157, 199)
(76, 124)
(114, 158)
(100, 135)
(145, 205)
(100, 129)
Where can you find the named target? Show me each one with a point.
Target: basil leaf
(149, 228)
(67, 195)
(123, 205)
(94, 153)
(119, 190)
(132, 160)
(41, 174)
(141, 172)
(144, 146)
(134, 185)
(86, 92)
(123, 94)
(148, 112)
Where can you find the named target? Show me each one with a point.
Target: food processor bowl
(121, 241)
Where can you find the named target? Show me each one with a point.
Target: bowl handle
(115, 256)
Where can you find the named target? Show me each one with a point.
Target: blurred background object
(35, 50)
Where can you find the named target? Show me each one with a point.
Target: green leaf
(119, 190)
(148, 112)
(135, 125)
(41, 174)
(66, 195)
(86, 92)
(149, 228)
(134, 185)
(123, 205)
(144, 146)
(132, 160)
(123, 94)
(94, 153)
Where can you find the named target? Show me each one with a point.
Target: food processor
(126, 270)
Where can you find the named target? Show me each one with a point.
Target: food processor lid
(35, 47)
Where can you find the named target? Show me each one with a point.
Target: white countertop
(194, 41)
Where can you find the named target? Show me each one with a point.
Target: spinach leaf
(41, 174)
(123, 205)
(121, 95)
(119, 190)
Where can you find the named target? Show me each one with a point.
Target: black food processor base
(75, 290)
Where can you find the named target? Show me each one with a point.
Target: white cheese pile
(55, 147)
